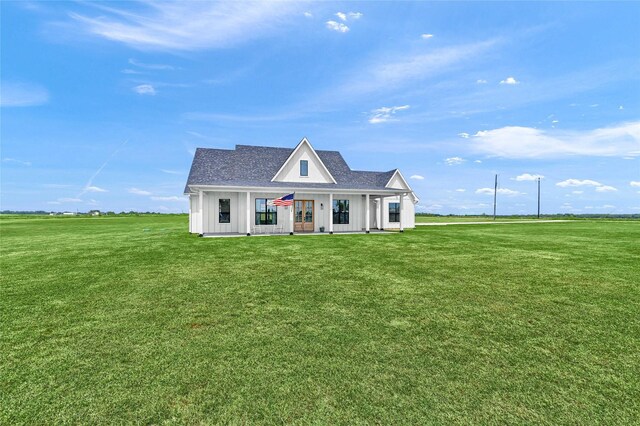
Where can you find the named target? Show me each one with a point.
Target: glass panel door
(298, 223)
(303, 216)
(298, 211)
(308, 216)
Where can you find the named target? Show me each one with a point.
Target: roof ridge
(214, 149)
(283, 148)
(262, 146)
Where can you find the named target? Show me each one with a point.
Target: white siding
(322, 212)
(212, 210)
(194, 214)
(396, 182)
(291, 170)
(408, 216)
(356, 213)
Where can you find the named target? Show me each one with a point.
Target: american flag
(285, 200)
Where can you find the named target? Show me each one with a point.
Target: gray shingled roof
(257, 165)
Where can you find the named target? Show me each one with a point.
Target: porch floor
(234, 234)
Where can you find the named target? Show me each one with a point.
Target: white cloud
(342, 16)
(620, 107)
(308, 14)
(89, 183)
(389, 70)
(509, 192)
(18, 94)
(426, 36)
(336, 26)
(578, 182)
(151, 66)
(355, 15)
(577, 192)
(171, 172)
(174, 198)
(137, 191)
(634, 183)
(16, 161)
(481, 81)
(416, 177)
(383, 114)
(527, 177)
(503, 191)
(527, 142)
(453, 161)
(188, 26)
(606, 188)
(477, 161)
(510, 81)
(69, 200)
(94, 189)
(464, 135)
(145, 89)
(586, 182)
(461, 190)
(130, 71)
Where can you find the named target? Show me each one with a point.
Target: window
(265, 214)
(341, 212)
(394, 212)
(224, 210)
(304, 168)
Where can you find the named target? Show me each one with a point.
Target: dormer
(304, 165)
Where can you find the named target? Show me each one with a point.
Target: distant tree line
(89, 213)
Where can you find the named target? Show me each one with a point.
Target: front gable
(290, 171)
(397, 182)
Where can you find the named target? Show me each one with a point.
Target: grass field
(438, 219)
(132, 320)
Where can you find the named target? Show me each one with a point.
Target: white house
(229, 192)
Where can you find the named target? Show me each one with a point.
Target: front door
(303, 216)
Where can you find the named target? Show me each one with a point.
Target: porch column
(291, 217)
(401, 212)
(201, 205)
(248, 213)
(368, 213)
(381, 209)
(330, 210)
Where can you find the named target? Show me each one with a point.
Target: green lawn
(132, 320)
(438, 219)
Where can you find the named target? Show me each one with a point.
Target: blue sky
(103, 104)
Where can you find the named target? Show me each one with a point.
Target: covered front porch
(218, 213)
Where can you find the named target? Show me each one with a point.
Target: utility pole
(538, 198)
(495, 194)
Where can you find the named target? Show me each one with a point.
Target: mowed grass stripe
(131, 319)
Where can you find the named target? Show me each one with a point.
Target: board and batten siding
(408, 217)
(194, 214)
(212, 210)
(322, 212)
